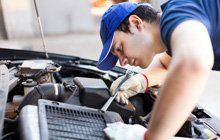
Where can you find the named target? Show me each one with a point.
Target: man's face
(133, 48)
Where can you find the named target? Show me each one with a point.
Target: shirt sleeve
(176, 12)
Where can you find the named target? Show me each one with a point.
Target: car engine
(61, 98)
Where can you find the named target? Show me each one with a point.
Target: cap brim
(107, 60)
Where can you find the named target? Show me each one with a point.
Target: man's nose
(123, 61)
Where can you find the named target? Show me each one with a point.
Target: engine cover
(94, 93)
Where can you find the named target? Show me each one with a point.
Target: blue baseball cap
(111, 19)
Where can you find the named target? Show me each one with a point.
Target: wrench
(108, 103)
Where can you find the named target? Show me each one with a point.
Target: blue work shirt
(205, 11)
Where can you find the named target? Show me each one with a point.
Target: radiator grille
(65, 123)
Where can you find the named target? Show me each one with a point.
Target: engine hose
(48, 91)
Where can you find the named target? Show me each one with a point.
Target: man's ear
(135, 21)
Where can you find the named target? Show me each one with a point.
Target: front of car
(48, 92)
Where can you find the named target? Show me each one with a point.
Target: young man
(178, 48)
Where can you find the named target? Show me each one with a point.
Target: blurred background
(72, 27)
(69, 25)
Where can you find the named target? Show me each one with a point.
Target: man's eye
(118, 49)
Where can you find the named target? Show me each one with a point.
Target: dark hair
(144, 12)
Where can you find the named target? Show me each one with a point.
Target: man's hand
(121, 131)
(134, 85)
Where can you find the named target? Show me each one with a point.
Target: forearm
(179, 95)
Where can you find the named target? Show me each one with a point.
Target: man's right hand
(134, 85)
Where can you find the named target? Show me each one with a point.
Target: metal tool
(41, 30)
(108, 103)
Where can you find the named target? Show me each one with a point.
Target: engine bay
(77, 83)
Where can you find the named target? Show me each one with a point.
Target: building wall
(64, 16)
(3, 34)
(57, 16)
(18, 18)
(157, 3)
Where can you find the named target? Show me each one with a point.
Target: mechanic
(178, 47)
